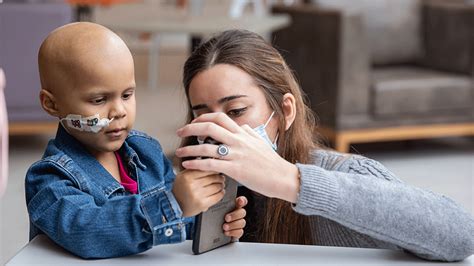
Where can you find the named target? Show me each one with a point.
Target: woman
(242, 94)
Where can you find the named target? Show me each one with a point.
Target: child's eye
(127, 95)
(98, 100)
(237, 112)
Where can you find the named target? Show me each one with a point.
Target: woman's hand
(196, 191)
(235, 222)
(251, 161)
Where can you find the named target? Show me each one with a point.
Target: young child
(102, 189)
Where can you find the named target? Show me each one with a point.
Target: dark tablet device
(208, 232)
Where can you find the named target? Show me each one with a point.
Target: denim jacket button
(168, 232)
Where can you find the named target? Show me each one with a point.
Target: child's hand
(235, 221)
(196, 191)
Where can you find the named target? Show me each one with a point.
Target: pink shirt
(125, 180)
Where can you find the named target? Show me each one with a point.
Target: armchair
(367, 82)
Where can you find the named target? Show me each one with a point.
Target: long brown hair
(251, 53)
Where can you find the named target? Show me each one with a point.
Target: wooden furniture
(366, 84)
(342, 140)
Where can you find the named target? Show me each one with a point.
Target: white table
(42, 251)
(196, 26)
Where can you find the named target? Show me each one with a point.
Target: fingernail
(179, 131)
(228, 218)
(226, 227)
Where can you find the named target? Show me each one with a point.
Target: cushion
(399, 91)
(393, 27)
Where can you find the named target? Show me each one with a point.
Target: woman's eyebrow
(220, 101)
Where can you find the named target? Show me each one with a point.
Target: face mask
(260, 130)
(88, 124)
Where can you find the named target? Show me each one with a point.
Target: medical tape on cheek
(88, 124)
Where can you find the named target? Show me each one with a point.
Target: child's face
(107, 88)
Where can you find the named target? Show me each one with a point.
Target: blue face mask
(260, 130)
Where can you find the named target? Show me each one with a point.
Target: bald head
(77, 53)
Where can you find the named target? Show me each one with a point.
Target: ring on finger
(222, 150)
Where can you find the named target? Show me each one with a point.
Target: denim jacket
(74, 201)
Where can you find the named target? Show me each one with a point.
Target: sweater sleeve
(361, 194)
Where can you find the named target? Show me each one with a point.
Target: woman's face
(228, 89)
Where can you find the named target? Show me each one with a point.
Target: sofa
(383, 70)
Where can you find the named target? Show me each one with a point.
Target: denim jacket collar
(78, 153)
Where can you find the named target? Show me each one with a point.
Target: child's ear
(48, 102)
(289, 109)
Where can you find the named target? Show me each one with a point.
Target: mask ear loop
(268, 120)
(266, 123)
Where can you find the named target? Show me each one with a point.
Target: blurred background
(391, 80)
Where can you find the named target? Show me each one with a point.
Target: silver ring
(222, 150)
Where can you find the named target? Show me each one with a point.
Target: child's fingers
(211, 200)
(212, 189)
(239, 224)
(241, 202)
(210, 180)
(238, 233)
(235, 215)
(196, 174)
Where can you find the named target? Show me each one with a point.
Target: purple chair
(23, 27)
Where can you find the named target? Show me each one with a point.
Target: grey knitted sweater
(356, 202)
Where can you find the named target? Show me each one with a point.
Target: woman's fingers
(219, 118)
(203, 150)
(213, 130)
(250, 131)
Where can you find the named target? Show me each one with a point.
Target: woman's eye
(237, 112)
(127, 96)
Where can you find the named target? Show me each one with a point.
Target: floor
(444, 166)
